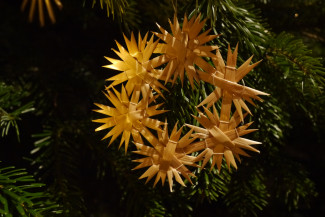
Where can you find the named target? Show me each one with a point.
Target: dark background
(59, 67)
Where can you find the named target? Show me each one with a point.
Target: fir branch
(125, 11)
(113, 7)
(55, 156)
(248, 194)
(294, 70)
(294, 188)
(9, 117)
(236, 22)
(210, 186)
(285, 50)
(20, 195)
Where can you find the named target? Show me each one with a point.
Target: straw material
(128, 116)
(40, 4)
(136, 66)
(166, 158)
(184, 48)
(220, 134)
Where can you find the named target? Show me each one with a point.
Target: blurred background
(51, 76)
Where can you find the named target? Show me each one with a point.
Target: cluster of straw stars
(183, 50)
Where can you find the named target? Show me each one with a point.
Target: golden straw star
(217, 142)
(128, 116)
(137, 69)
(166, 158)
(184, 48)
(225, 78)
(40, 6)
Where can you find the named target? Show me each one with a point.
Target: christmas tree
(179, 103)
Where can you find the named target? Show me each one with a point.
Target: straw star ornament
(138, 70)
(166, 158)
(184, 48)
(129, 117)
(40, 6)
(182, 53)
(225, 78)
(220, 142)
